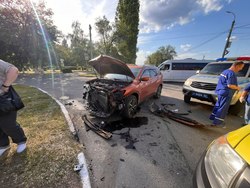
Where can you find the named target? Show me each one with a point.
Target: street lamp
(228, 42)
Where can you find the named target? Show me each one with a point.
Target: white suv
(202, 85)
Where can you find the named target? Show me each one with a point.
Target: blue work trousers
(221, 108)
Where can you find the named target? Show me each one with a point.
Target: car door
(153, 85)
(145, 85)
(166, 71)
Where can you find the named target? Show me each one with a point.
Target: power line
(178, 37)
(207, 41)
(242, 26)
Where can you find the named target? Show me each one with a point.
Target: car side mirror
(146, 78)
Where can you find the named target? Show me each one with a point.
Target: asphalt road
(159, 153)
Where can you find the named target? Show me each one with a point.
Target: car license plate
(200, 95)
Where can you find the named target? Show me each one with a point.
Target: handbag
(10, 101)
(16, 99)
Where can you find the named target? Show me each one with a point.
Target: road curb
(81, 158)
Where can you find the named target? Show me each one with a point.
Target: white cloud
(86, 12)
(193, 55)
(207, 54)
(211, 5)
(185, 47)
(157, 15)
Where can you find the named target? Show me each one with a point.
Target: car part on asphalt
(96, 128)
(164, 112)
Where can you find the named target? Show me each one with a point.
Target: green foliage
(63, 53)
(126, 22)
(68, 69)
(21, 38)
(106, 31)
(162, 54)
(80, 45)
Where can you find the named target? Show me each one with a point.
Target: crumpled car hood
(104, 64)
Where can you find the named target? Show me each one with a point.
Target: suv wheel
(158, 92)
(187, 99)
(130, 106)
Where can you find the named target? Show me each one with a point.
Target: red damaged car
(120, 87)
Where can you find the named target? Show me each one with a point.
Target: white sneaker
(21, 147)
(4, 149)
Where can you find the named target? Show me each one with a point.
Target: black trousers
(10, 128)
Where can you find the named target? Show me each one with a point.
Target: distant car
(226, 162)
(121, 87)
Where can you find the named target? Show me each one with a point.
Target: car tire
(187, 98)
(237, 109)
(130, 108)
(158, 92)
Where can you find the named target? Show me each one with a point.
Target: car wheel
(187, 99)
(130, 106)
(158, 92)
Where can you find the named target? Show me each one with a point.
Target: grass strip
(51, 152)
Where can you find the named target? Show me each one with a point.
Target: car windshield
(118, 77)
(135, 71)
(217, 68)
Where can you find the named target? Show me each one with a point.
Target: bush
(68, 69)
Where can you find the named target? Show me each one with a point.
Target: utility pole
(90, 38)
(228, 42)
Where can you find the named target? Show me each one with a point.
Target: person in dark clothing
(225, 89)
(8, 125)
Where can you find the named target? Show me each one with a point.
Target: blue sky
(196, 28)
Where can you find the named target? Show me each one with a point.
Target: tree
(21, 37)
(63, 53)
(162, 54)
(126, 22)
(105, 30)
(79, 45)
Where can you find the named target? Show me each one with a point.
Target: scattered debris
(68, 103)
(113, 145)
(131, 141)
(96, 128)
(78, 167)
(154, 162)
(76, 137)
(164, 112)
(175, 110)
(153, 144)
(64, 97)
(102, 179)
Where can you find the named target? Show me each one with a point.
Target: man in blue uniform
(225, 89)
